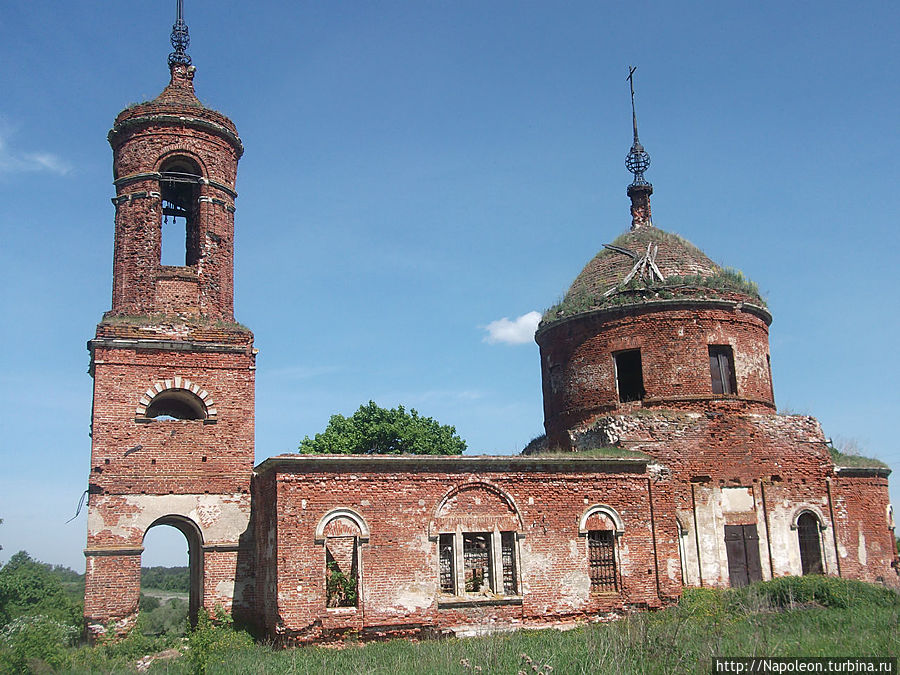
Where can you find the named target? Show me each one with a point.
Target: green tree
(375, 430)
(29, 588)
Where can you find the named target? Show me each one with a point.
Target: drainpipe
(762, 492)
(696, 534)
(834, 532)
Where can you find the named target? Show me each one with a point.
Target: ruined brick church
(665, 463)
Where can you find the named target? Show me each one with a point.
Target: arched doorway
(194, 538)
(808, 527)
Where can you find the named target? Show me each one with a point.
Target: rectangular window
(721, 370)
(508, 551)
(602, 560)
(629, 375)
(448, 569)
(477, 561)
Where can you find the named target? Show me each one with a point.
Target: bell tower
(173, 415)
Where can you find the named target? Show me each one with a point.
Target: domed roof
(648, 264)
(177, 104)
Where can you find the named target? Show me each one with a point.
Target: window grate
(477, 559)
(447, 572)
(508, 556)
(602, 558)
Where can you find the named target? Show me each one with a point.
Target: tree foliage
(166, 578)
(375, 430)
(30, 588)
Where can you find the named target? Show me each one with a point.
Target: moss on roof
(687, 273)
(855, 461)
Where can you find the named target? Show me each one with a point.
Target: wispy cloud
(14, 160)
(513, 332)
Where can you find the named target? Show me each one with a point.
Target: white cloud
(515, 332)
(12, 160)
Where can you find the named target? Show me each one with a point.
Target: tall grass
(793, 616)
(808, 616)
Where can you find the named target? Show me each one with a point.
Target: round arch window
(178, 404)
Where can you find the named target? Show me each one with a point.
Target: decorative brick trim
(482, 484)
(177, 382)
(342, 513)
(605, 510)
(113, 550)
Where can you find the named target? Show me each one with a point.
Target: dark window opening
(721, 370)
(342, 572)
(810, 544)
(448, 569)
(508, 557)
(602, 560)
(477, 560)
(176, 404)
(629, 376)
(179, 188)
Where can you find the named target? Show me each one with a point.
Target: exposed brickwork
(578, 364)
(445, 544)
(542, 501)
(145, 138)
(171, 333)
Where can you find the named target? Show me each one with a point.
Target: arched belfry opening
(194, 538)
(179, 189)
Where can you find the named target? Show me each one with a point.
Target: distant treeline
(166, 578)
(177, 579)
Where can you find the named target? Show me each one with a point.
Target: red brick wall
(178, 456)
(399, 562)
(578, 368)
(112, 588)
(866, 543)
(143, 139)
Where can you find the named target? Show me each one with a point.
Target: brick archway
(194, 537)
(176, 383)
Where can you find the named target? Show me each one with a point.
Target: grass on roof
(854, 461)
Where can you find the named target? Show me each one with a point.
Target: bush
(29, 641)
(213, 639)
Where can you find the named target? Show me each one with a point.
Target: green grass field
(809, 616)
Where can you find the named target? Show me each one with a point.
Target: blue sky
(415, 171)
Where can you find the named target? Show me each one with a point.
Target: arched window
(342, 531)
(179, 189)
(176, 399)
(602, 527)
(808, 527)
(176, 404)
(478, 528)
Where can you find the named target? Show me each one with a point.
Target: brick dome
(177, 104)
(681, 271)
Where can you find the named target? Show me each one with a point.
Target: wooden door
(742, 547)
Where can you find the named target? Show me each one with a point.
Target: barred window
(602, 560)
(479, 574)
(508, 557)
(477, 561)
(448, 569)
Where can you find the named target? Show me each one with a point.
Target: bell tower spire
(180, 39)
(637, 162)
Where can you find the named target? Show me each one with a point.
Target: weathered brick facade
(173, 417)
(707, 485)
